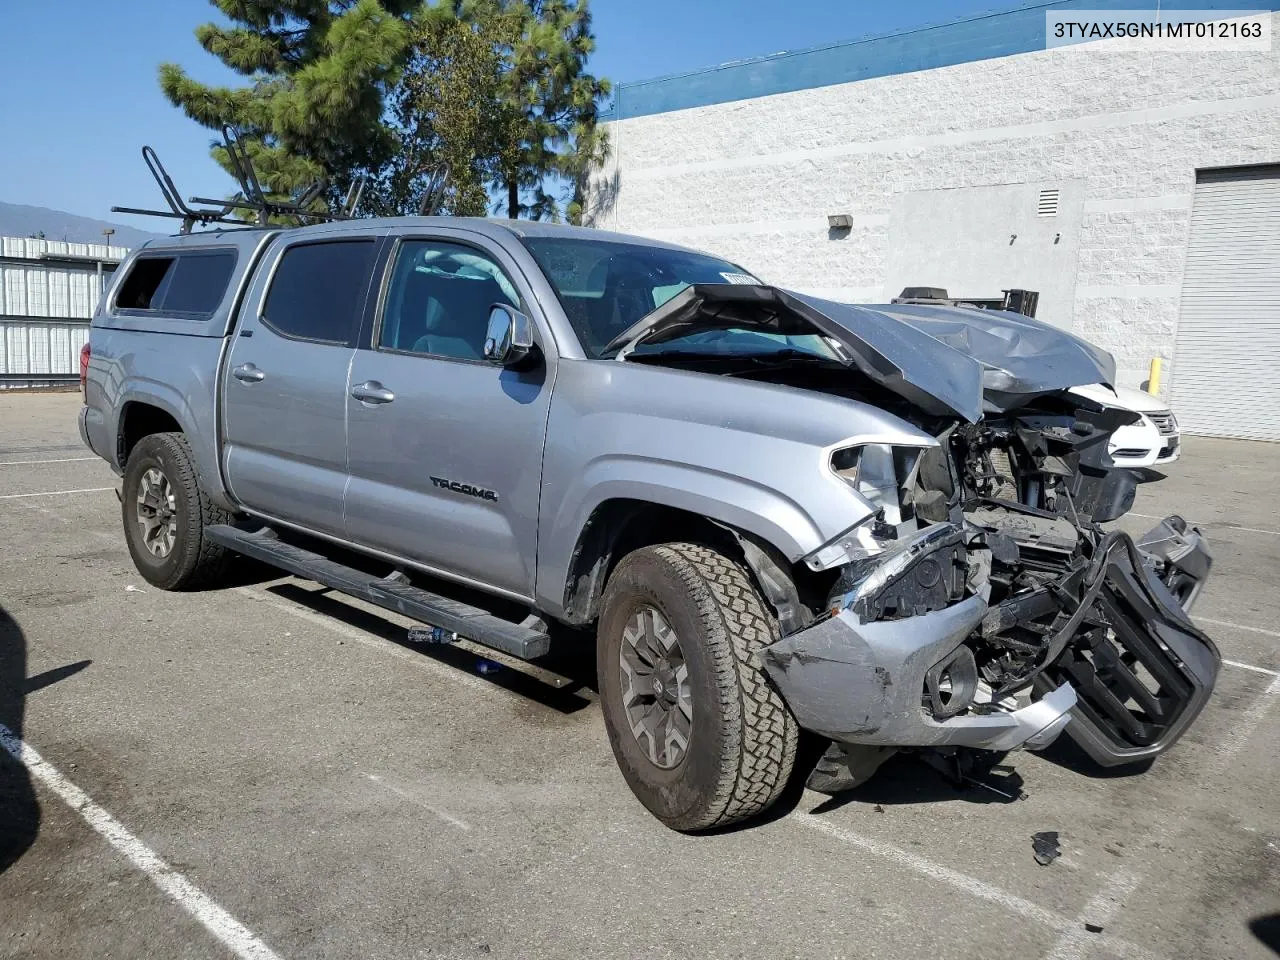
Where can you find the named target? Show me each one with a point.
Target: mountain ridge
(23, 220)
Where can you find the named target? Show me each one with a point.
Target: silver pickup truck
(881, 525)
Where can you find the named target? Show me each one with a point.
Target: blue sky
(78, 92)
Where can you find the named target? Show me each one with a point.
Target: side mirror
(509, 339)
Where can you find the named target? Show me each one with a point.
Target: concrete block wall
(754, 179)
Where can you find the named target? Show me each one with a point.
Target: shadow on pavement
(566, 699)
(1267, 929)
(19, 811)
(907, 779)
(1064, 753)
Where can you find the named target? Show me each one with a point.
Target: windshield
(606, 286)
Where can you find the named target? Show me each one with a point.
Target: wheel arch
(161, 409)
(141, 418)
(621, 525)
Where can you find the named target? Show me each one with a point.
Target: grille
(1164, 423)
(1135, 693)
(1047, 204)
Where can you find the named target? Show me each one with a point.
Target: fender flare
(728, 501)
(171, 401)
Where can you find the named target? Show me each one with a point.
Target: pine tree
(448, 112)
(551, 105)
(319, 74)
(497, 91)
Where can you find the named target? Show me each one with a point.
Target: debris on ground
(432, 635)
(1093, 927)
(879, 808)
(1045, 845)
(486, 667)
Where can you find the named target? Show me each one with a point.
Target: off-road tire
(194, 560)
(743, 741)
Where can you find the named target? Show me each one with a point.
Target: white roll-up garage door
(1226, 362)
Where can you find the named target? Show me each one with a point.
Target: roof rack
(249, 198)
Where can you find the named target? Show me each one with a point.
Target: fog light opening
(951, 684)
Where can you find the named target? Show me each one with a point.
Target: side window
(439, 298)
(199, 282)
(185, 284)
(318, 290)
(145, 280)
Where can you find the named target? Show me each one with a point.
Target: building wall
(48, 292)
(1121, 135)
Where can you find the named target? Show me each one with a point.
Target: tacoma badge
(478, 492)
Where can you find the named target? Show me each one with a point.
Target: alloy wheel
(157, 511)
(655, 687)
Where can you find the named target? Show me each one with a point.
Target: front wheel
(701, 736)
(165, 513)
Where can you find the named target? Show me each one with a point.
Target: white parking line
(1239, 626)
(339, 628)
(234, 935)
(1099, 910)
(27, 463)
(1250, 666)
(1211, 523)
(406, 795)
(1108, 901)
(1066, 926)
(1244, 727)
(53, 493)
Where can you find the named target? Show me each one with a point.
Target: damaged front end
(980, 603)
(987, 607)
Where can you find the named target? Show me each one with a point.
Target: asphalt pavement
(269, 770)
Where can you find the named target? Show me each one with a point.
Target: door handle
(248, 373)
(371, 391)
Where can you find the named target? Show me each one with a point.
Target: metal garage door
(1226, 362)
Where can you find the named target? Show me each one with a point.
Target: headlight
(883, 475)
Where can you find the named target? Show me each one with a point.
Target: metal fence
(48, 292)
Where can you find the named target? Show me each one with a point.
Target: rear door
(285, 387)
(446, 449)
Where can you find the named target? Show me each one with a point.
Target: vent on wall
(1047, 205)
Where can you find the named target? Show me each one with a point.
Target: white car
(1153, 440)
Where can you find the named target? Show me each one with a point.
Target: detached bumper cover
(863, 682)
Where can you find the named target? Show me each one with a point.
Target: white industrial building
(1138, 192)
(48, 292)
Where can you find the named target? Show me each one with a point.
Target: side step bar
(460, 618)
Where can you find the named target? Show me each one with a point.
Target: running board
(431, 608)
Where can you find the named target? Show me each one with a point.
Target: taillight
(84, 369)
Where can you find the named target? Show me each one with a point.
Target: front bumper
(864, 683)
(1132, 675)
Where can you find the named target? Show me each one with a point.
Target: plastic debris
(431, 635)
(1093, 927)
(487, 667)
(1046, 847)
(131, 589)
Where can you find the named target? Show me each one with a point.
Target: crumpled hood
(1021, 356)
(946, 360)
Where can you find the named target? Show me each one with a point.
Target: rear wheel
(165, 513)
(702, 738)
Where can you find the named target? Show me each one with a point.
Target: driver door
(445, 449)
